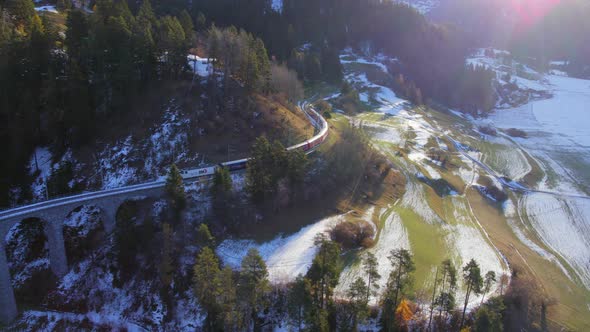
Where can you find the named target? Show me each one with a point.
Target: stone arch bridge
(53, 213)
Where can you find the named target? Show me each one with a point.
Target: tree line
(432, 56)
(58, 82)
(244, 299)
(54, 88)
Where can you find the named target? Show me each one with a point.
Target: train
(308, 147)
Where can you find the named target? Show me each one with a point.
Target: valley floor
(541, 228)
(453, 207)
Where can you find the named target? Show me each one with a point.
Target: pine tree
(222, 181)
(473, 282)
(259, 177)
(200, 22)
(263, 66)
(370, 266)
(324, 271)
(187, 23)
(23, 12)
(398, 285)
(253, 286)
(77, 29)
(204, 237)
(146, 16)
(172, 43)
(297, 162)
(222, 195)
(488, 318)
(166, 267)
(6, 29)
(489, 280)
(271, 164)
(207, 284)
(230, 317)
(331, 66)
(175, 188)
(358, 302)
(298, 301)
(313, 67)
(448, 281)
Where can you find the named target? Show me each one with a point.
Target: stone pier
(57, 249)
(109, 217)
(53, 214)
(8, 310)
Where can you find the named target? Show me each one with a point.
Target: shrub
(284, 80)
(488, 188)
(353, 234)
(487, 130)
(516, 133)
(323, 106)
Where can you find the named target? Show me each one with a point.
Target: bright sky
(531, 11)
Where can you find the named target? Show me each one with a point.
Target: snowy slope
(286, 256)
(423, 6)
(558, 140)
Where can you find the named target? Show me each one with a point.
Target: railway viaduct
(53, 212)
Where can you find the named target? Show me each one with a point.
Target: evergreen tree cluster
(273, 171)
(241, 56)
(474, 92)
(243, 299)
(54, 89)
(433, 56)
(233, 301)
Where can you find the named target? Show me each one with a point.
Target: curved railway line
(53, 212)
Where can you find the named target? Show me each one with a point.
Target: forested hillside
(64, 73)
(420, 208)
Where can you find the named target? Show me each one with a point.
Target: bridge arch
(46, 231)
(27, 250)
(83, 230)
(109, 201)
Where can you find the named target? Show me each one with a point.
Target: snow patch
(393, 236)
(286, 257)
(50, 9)
(470, 244)
(564, 225)
(201, 66)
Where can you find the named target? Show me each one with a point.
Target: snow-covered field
(554, 126)
(393, 236)
(407, 127)
(290, 255)
(564, 225)
(286, 256)
(505, 159)
(558, 139)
